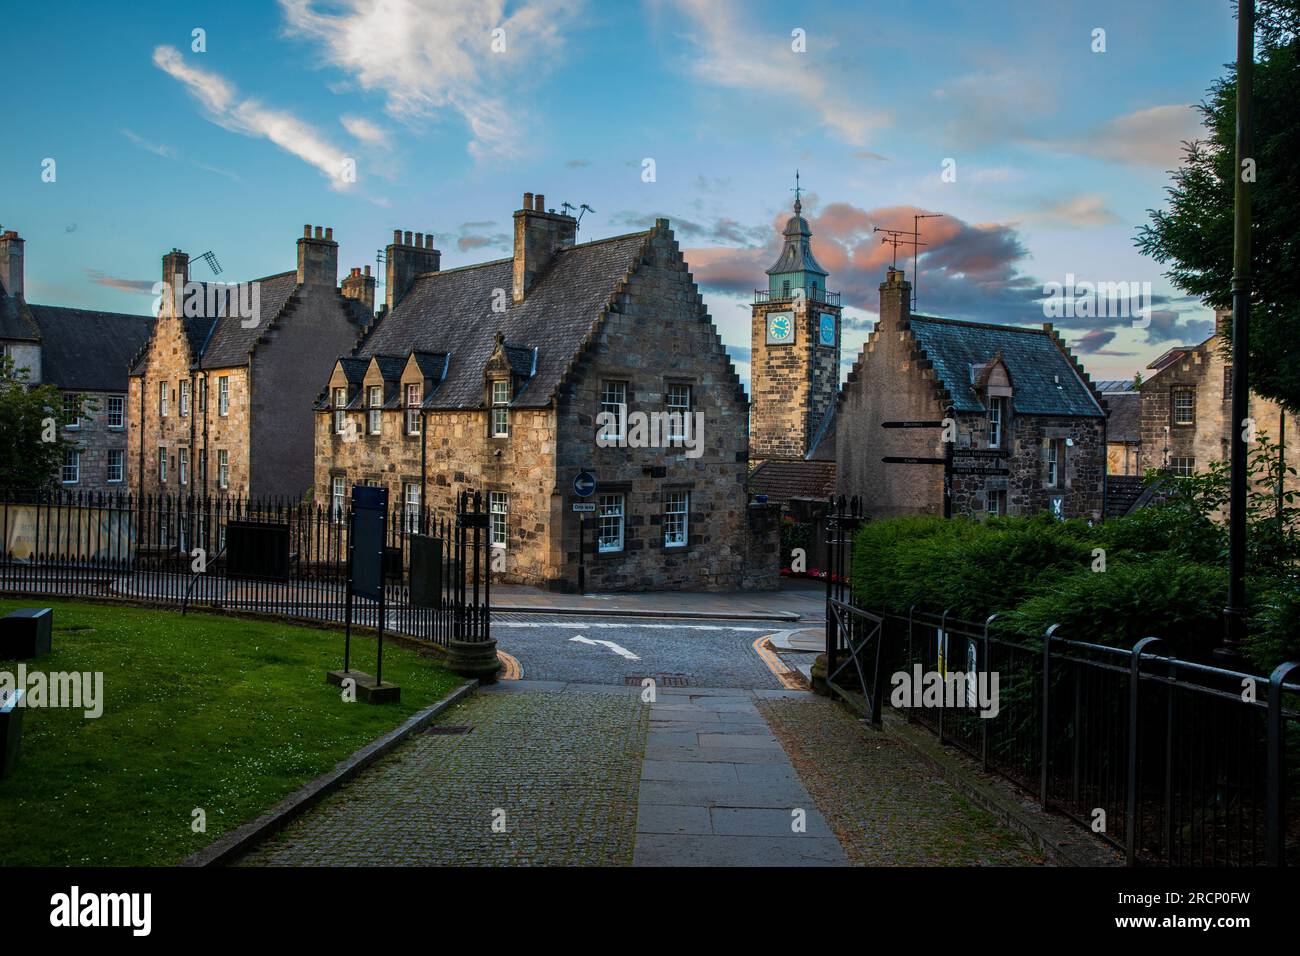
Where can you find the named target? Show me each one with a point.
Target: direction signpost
(583, 486)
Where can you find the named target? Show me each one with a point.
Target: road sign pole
(582, 550)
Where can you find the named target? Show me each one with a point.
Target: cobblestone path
(564, 768)
(884, 803)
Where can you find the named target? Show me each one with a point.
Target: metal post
(1045, 743)
(984, 724)
(347, 617)
(1131, 789)
(831, 640)
(943, 672)
(1276, 848)
(582, 551)
(1235, 612)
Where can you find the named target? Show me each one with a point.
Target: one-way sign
(584, 484)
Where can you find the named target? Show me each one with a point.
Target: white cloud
(250, 118)
(430, 56)
(729, 56)
(1147, 137)
(1085, 211)
(363, 129)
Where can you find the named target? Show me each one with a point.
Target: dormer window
(412, 409)
(375, 402)
(340, 414)
(500, 408)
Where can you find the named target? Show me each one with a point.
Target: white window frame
(223, 468)
(183, 466)
(678, 429)
(116, 414)
(120, 455)
(223, 395)
(1189, 406)
(374, 412)
(613, 399)
(71, 466)
(997, 415)
(1182, 466)
(500, 408)
(611, 514)
(162, 465)
(411, 506)
(412, 410)
(499, 508)
(162, 399)
(677, 519)
(74, 423)
(1055, 462)
(340, 414)
(338, 498)
(994, 509)
(185, 399)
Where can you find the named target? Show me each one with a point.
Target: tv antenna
(568, 208)
(210, 258)
(380, 259)
(916, 232)
(894, 237)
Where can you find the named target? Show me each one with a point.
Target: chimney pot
(367, 270)
(329, 233)
(428, 240)
(319, 232)
(528, 200)
(306, 231)
(419, 240)
(408, 237)
(541, 203)
(397, 237)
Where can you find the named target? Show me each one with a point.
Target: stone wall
(95, 439)
(791, 386)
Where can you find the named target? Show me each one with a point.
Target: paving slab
(654, 849)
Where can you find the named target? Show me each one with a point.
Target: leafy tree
(1195, 234)
(31, 445)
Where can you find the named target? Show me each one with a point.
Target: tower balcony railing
(820, 296)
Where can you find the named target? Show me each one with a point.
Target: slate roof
(16, 323)
(796, 254)
(227, 341)
(823, 442)
(89, 350)
(451, 312)
(1115, 385)
(1044, 380)
(784, 478)
(1124, 417)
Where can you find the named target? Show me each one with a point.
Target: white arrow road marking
(620, 651)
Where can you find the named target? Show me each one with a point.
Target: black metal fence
(274, 556)
(1174, 762)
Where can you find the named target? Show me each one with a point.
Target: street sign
(911, 424)
(584, 484)
(584, 507)
(366, 552)
(979, 470)
(891, 460)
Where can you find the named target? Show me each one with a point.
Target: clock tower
(795, 349)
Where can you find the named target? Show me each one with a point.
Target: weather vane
(797, 191)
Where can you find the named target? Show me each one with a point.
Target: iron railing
(820, 296)
(1174, 762)
(171, 551)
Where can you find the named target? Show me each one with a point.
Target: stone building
(86, 354)
(221, 393)
(1187, 408)
(493, 377)
(1029, 426)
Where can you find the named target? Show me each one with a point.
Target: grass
(219, 713)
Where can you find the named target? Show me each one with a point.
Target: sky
(1040, 142)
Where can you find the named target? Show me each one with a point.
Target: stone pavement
(884, 802)
(717, 789)
(799, 600)
(540, 779)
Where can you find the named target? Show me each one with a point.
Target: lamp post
(1235, 612)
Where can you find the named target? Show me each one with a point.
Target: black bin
(26, 633)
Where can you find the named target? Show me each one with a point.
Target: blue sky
(1058, 150)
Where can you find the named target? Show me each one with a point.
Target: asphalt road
(611, 650)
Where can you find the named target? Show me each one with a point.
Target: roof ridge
(995, 326)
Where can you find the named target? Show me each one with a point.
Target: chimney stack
(11, 262)
(175, 275)
(360, 286)
(895, 300)
(539, 235)
(410, 255)
(318, 257)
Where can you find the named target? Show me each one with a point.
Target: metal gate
(854, 637)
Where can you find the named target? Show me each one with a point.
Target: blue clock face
(828, 329)
(780, 328)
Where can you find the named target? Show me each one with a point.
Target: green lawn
(221, 713)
